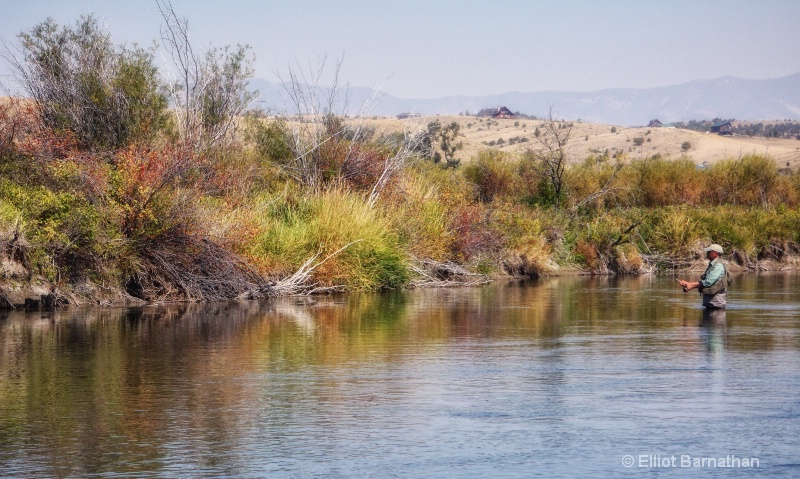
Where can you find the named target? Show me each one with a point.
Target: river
(562, 377)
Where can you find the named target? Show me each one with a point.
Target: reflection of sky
(435, 383)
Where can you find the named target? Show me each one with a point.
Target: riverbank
(160, 220)
(21, 289)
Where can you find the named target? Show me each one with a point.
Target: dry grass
(706, 147)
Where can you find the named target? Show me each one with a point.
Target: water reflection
(713, 328)
(417, 383)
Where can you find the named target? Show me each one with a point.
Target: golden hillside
(589, 138)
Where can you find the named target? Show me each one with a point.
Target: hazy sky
(432, 48)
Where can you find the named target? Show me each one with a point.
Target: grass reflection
(83, 389)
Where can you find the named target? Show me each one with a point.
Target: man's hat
(714, 247)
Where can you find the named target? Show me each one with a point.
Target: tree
(552, 155)
(209, 91)
(686, 146)
(439, 143)
(81, 83)
(449, 145)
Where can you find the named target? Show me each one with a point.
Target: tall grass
(294, 227)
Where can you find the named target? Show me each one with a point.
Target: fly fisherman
(713, 282)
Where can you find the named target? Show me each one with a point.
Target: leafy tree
(80, 82)
(686, 146)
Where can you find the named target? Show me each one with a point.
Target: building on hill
(722, 127)
(403, 116)
(498, 112)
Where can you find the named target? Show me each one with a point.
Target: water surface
(557, 378)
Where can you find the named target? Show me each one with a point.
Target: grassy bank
(99, 228)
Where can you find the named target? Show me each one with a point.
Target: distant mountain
(726, 97)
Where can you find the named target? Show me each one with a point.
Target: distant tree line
(785, 129)
(489, 112)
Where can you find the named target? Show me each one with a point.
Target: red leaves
(144, 180)
(473, 232)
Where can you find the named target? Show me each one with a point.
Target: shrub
(686, 146)
(664, 182)
(491, 173)
(752, 180)
(80, 82)
(296, 227)
(268, 139)
(67, 234)
(673, 231)
(474, 235)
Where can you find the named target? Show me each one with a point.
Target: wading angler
(714, 282)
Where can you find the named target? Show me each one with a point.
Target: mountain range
(726, 97)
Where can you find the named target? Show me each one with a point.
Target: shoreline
(36, 293)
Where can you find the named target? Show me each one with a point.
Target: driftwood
(668, 262)
(300, 283)
(434, 274)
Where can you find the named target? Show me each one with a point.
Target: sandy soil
(587, 138)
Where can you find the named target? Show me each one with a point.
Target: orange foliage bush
(473, 233)
(144, 181)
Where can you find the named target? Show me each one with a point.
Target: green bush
(298, 227)
(106, 96)
(68, 236)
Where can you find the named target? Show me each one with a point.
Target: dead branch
(177, 266)
(209, 90)
(435, 274)
(300, 282)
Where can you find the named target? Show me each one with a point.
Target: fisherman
(713, 282)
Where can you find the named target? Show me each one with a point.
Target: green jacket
(715, 279)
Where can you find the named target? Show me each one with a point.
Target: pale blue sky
(430, 48)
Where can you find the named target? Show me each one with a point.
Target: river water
(564, 377)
